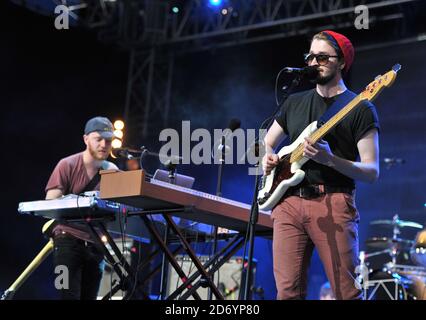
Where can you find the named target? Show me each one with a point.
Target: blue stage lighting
(215, 3)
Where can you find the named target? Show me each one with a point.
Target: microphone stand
(219, 194)
(254, 210)
(220, 167)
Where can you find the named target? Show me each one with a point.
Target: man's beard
(95, 155)
(323, 80)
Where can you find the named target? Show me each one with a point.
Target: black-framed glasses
(321, 58)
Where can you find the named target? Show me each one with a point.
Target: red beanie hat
(346, 47)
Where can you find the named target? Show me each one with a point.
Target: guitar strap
(89, 187)
(341, 101)
(95, 180)
(50, 226)
(92, 183)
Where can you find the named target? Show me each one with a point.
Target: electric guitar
(288, 172)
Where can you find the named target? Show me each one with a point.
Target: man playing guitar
(320, 211)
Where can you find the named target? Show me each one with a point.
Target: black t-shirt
(302, 108)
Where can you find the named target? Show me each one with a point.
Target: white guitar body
(267, 197)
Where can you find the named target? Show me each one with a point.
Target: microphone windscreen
(234, 124)
(311, 72)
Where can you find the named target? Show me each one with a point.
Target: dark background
(53, 81)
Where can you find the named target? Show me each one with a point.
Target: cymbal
(398, 223)
(388, 243)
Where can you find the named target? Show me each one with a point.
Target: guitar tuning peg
(377, 77)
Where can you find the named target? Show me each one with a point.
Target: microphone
(220, 144)
(234, 124)
(169, 161)
(124, 153)
(164, 158)
(309, 72)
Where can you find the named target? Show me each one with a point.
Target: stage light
(118, 134)
(215, 3)
(119, 125)
(118, 131)
(116, 143)
(224, 12)
(175, 9)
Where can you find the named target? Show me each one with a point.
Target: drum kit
(395, 281)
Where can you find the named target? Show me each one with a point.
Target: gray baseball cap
(101, 125)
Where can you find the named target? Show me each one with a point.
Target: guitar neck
(297, 154)
(369, 94)
(330, 124)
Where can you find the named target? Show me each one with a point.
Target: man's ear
(85, 139)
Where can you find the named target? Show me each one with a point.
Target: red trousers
(330, 224)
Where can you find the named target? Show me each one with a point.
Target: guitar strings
(327, 126)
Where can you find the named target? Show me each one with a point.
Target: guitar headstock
(381, 81)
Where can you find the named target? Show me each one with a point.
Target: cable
(137, 271)
(276, 85)
(247, 236)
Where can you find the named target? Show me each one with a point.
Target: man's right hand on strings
(269, 161)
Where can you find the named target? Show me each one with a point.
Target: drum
(418, 250)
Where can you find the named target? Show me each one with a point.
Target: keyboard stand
(164, 248)
(213, 263)
(216, 262)
(126, 280)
